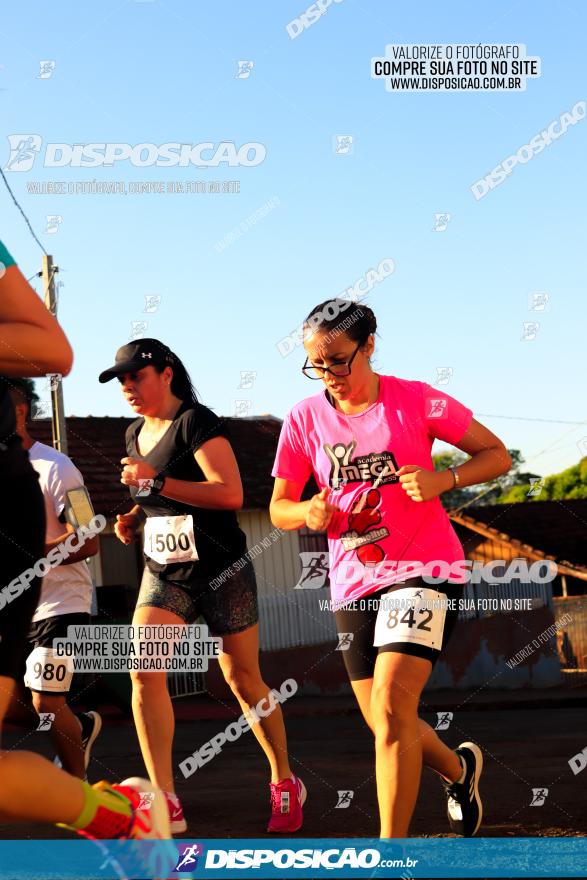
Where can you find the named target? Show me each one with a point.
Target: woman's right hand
(320, 511)
(125, 527)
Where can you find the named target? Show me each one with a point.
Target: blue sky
(164, 71)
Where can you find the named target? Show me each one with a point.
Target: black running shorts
(422, 630)
(22, 544)
(45, 672)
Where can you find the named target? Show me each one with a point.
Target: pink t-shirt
(380, 535)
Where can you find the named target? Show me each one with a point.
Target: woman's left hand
(421, 484)
(134, 470)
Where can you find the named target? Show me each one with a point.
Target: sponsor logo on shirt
(362, 469)
(351, 540)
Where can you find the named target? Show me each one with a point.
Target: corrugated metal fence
(288, 620)
(185, 684)
(302, 617)
(540, 594)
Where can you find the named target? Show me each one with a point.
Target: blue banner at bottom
(300, 857)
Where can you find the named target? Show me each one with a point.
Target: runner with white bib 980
(65, 600)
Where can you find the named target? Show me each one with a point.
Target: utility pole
(57, 409)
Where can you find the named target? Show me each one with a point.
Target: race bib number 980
(45, 672)
(413, 615)
(170, 539)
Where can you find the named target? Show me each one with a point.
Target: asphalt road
(524, 749)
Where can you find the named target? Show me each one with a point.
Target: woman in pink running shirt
(396, 564)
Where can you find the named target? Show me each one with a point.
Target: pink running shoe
(287, 800)
(176, 817)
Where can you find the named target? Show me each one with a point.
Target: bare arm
(31, 341)
(88, 548)
(127, 524)
(489, 459)
(288, 512)
(285, 509)
(222, 489)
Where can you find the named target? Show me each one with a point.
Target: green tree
(570, 483)
(486, 493)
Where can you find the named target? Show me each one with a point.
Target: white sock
(464, 773)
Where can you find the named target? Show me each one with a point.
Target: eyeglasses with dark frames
(337, 368)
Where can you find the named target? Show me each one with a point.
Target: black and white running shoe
(91, 723)
(464, 807)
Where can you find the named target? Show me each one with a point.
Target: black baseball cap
(135, 356)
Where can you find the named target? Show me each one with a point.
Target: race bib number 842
(170, 539)
(411, 614)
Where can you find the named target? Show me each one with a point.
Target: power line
(22, 212)
(530, 419)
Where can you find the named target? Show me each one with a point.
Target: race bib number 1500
(170, 539)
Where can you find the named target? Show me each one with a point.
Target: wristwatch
(157, 484)
(455, 475)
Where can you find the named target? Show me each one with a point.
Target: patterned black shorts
(229, 609)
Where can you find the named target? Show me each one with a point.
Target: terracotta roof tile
(96, 445)
(558, 528)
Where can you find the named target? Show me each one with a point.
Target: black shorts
(355, 625)
(230, 608)
(45, 672)
(22, 544)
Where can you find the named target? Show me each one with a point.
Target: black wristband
(157, 485)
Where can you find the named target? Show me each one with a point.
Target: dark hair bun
(336, 316)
